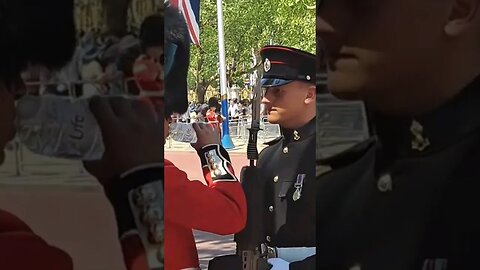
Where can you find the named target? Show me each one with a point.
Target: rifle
(251, 237)
(251, 253)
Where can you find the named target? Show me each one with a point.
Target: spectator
(233, 109)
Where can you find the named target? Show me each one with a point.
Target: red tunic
(218, 207)
(149, 79)
(148, 75)
(214, 119)
(22, 249)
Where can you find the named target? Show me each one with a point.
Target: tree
(249, 25)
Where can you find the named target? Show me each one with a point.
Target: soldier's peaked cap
(282, 65)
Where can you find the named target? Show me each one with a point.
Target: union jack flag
(191, 11)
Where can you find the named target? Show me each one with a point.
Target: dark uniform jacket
(289, 222)
(407, 198)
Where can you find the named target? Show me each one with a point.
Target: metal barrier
(239, 129)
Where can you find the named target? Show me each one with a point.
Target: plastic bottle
(59, 127)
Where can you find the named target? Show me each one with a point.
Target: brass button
(285, 150)
(270, 208)
(145, 195)
(275, 179)
(385, 183)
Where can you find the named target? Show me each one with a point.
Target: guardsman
(213, 117)
(148, 69)
(218, 207)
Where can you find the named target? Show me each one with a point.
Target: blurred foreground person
(407, 198)
(131, 170)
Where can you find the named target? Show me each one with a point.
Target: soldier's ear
(462, 16)
(311, 95)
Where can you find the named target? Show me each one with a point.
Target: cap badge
(419, 141)
(267, 65)
(296, 137)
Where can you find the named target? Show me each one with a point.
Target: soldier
(213, 116)
(147, 69)
(287, 165)
(218, 207)
(406, 198)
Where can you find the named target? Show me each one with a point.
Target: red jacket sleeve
(21, 249)
(134, 253)
(218, 207)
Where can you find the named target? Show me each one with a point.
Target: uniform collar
(301, 133)
(425, 134)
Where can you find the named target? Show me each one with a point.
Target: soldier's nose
(265, 100)
(332, 24)
(323, 27)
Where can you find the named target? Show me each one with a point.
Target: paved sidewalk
(211, 246)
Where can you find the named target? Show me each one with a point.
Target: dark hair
(152, 31)
(213, 102)
(35, 32)
(176, 100)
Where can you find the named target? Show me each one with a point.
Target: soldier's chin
(273, 118)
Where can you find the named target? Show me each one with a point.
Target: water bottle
(59, 127)
(183, 132)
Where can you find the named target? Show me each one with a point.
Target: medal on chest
(298, 187)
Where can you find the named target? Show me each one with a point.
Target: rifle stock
(252, 151)
(249, 239)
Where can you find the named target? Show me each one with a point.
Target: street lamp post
(227, 142)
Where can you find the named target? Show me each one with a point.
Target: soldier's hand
(206, 134)
(131, 135)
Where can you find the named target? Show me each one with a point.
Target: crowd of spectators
(100, 65)
(236, 109)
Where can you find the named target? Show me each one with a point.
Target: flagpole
(227, 142)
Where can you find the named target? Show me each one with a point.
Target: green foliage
(249, 25)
